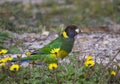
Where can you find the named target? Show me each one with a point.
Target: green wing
(57, 43)
(65, 44)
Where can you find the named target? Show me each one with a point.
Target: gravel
(102, 46)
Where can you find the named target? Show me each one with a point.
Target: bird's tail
(25, 59)
(40, 57)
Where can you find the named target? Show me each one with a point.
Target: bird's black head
(71, 31)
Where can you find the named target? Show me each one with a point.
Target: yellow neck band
(65, 34)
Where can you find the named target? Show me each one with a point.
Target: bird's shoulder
(57, 43)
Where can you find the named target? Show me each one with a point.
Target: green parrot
(58, 48)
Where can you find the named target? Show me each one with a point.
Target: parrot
(58, 48)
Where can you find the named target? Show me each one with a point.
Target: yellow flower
(3, 60)
(113, 73)
(6, 59)
(9, 58)
(3, 51)
(89, 58)
(27, 54)
(14, 67)
(53, 56)
(89, 63)
(2, 65)
(52, 66)
(55, 50)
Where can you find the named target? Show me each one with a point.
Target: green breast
(67, 44)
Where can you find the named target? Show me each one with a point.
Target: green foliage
(13, 49)
(4, 36)
(66, 73)
(51, 14)
(6, 24)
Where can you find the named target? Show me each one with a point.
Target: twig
(111, 61)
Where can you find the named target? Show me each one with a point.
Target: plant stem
(106, 67)
(56, 76)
